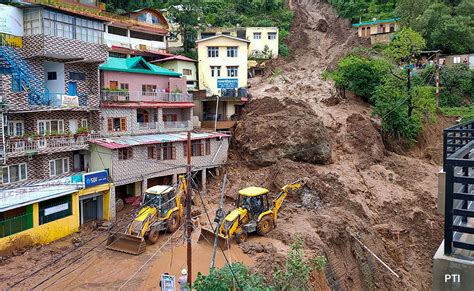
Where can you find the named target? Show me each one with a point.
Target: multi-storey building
(49, 87)
(145, 114)
(222, 67)
(183, 65)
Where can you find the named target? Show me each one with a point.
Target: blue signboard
(227, 83)
(96, 178)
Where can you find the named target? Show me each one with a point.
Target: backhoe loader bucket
(126, 243)
(209, 236)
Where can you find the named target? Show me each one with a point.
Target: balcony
(139, 96)
(176, 124)
(22, 146)
(147, 125)
(64, 100)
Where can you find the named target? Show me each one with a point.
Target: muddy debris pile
(282, 129)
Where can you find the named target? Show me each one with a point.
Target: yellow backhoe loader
(253, 213)
(161, 209)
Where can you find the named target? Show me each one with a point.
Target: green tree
(296, 272)
(409, 10)
(405, 45)
(188, 16)
(223, 279)
(457, 85)
(453, 35)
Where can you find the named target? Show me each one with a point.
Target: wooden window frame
(125, 154)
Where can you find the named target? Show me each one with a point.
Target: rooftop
(129, 141)
(26, 195)
(375, 22)
(221, 35)
(136, 65)
(173, 58)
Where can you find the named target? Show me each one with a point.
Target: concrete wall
(374, 28)
(258, 45)
(206, 81)
(450, 273)
(178, 66)
(134, 81)
(54, 86)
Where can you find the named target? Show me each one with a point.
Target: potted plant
(175, 94)
(31, 135)
(54, 133)
(82, 131)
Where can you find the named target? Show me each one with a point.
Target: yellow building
(263, 40)
(183, 65)
(42, 213)
(222, 67)
(379, 31)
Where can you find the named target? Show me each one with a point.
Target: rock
(272, 129)
(322, 25)
(252, 248)
(119, 205)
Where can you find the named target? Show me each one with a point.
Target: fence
(34, 144)
(16, 224)
(144, 96)
(459, 168)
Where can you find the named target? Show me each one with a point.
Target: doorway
(73, 125)
(91, 208)
(72, 88)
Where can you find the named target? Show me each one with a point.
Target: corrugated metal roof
(26, 195)
(128, 141)
(375, 22)
(130, 65)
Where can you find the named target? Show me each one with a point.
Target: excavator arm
(278, 201)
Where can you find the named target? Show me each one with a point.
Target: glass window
(125, 154)
(272, 35)
(54, 209)
(58, 167)
(14, 173)
(232, 71)
(213, 52)
(257, 35)
(215, 71)
(232, 52)
(16, 128)
(47, 126)
(187, 72)
(169, 151)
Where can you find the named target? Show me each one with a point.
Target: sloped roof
(222, 35)
(132, 65)
(172, 58)
(375, 22)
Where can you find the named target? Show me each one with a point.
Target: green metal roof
(375, 22)
(136, 65)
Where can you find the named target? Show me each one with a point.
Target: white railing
(176, 124)
(137, 96)
(147, 125)
(34, 144)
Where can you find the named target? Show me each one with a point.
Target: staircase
(23, 78)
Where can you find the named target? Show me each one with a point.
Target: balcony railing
(176, 124)
(19, 145)
(147, 125)
(64, 100)
(139, 96)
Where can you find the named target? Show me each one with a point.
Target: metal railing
(176, 124)
(456, 137)
(147, 125)
(459, 207)
(141, 96)
(19, 145)
(15, 224)
(56, 99)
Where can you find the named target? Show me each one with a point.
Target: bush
(223, 279)
(283, 50)
(456, 83)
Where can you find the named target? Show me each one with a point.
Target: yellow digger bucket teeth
(208, 236)
(126, 243)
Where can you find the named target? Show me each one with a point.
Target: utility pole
(189, 227)
(219, 217)
(438, 101)
(410, 103)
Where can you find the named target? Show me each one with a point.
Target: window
(125, 154)
(84, 122)
(54, 209)
(113, 85)
(187, 72)
(215, 71)
(117, 124)
(363, 31)
(207, 34)
(213, 52)
(392, 27)
(146, 36)
(117, 30)
(272, 35)
(14, 173)
(16, 128)
(143, 115)
(257, 35)
(148, 89)
(226, 33)
(232, 52)
(197, 148)
(169, 151)
(456, 60)
(208, 147)
(368, 31)
(77, 76)
(52, 76)
(117, 55)
(170, 117)
(48, 126)
(124, 86)
(58, 167)
(232, 71)
(152, 152)
(16, 220)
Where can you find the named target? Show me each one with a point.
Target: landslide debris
(282, 129)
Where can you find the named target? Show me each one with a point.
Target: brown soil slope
(384, 199)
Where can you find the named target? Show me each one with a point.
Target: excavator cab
(254, 200)
(160, 197)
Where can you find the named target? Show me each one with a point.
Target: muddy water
(105, 269)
